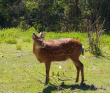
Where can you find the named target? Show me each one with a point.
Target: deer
(47, 51)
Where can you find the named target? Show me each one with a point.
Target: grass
(11, 41)
(20, 72)
(18, 47)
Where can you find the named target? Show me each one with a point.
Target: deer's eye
(38, 40)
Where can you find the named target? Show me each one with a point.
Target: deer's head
(38, 40)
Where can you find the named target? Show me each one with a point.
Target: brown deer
(58, 50)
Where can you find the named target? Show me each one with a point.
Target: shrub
(39, 27)
(94, 34)
(26, 40)
(18, 47)
(11, 41)
(23, 25)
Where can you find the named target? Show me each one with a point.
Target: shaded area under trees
(54, 15)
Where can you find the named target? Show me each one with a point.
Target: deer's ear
(42, 35)
(34, 36)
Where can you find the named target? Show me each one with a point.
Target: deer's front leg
(47, 66)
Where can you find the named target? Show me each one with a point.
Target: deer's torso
(57, 50)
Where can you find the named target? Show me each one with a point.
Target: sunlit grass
(20, 72)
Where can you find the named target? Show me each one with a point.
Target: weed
(58, 73)
(26, 40)
(94, 34)
(11, 41)
(53, 74)
(23, 25)
(18, 47)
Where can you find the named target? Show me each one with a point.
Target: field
(20, 72)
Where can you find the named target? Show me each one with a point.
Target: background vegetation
(55, 15)
(90, 16)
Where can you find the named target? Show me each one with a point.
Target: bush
(39, 27)
(11, 41)
(18, 47)
(26, 40)
(23, 25)
(94, 35)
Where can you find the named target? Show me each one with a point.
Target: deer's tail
(82, 48)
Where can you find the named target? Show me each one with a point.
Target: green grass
(20, 72)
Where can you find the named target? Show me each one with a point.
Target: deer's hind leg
(79, 66)
(78, 71)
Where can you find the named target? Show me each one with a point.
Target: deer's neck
(36, 49)
(37, 53)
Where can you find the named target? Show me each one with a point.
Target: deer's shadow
(83, 86)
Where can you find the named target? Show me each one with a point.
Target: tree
(8, 12)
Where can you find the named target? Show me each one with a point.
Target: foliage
(11, 41)
(18, 47)
(39, 27)
(23, 25)
(10, 12)
(27, 40)
(30, 5)
(100, 8)
(54, 15)
(94, 34)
